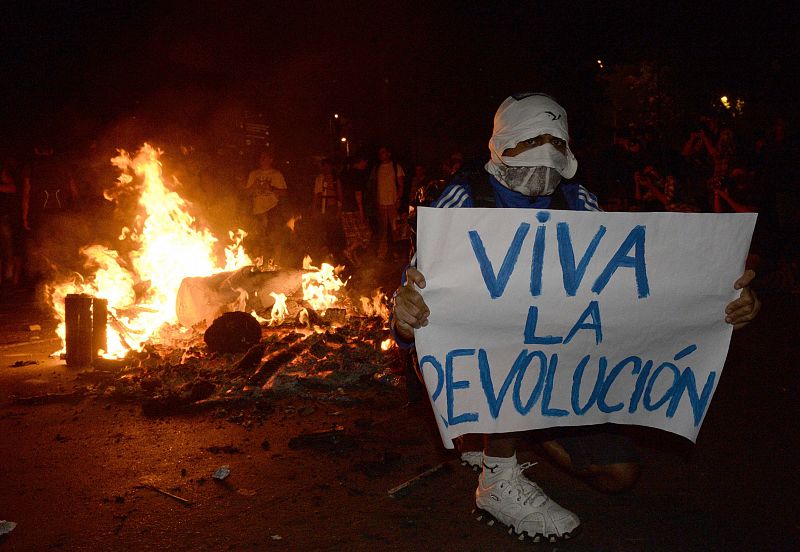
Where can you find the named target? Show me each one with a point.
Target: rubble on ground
(291, 359)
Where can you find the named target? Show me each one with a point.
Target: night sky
(414, 75)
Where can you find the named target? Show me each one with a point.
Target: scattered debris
(251, 358)
(180, 374)
(49, 398)
(265, 444)
(204, 298)
(152, 487)
(276, 537)
(246, 492)
(404, 488)
(35, 328)
(233, 332)
(222, 473)
(21, 363)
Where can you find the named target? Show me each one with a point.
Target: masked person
(530, 160)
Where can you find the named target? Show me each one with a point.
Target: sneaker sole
(473, 467)
(483, 516)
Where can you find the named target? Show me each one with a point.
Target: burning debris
(233, 332)
(203, 299)
(286, 360)
(172, 325)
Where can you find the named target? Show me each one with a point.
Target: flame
(165, 247)
(279, 310)
(375, 306)
(386, 344)
(320, 285)
(292, 222)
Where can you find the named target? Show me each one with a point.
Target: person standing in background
(387, 179)
(354, 221)
(266, 187)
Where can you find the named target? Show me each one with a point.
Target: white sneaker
(472, 459)
(520, 504)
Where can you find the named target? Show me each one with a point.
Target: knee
(615, 478)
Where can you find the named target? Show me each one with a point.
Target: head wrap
(525, 116)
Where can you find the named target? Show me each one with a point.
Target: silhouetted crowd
(356, 210)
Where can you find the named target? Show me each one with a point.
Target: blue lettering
(687, 382)
(635, 240)
(648, 399)
(537, 389)
(571, 274)
(496, 401)
(430, 359)
(537, 262)
(640, 381)
(601, 401)
(577, 377)
(594, 311)
(453, 385)
(548, 390)
(530, 330)
(497, 284)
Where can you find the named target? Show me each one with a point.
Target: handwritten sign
(558, 318)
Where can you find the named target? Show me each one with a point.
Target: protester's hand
(744, 309)
(410, 311)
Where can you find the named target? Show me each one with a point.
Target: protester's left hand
(744, 309)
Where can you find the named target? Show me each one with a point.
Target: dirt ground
(81, 473)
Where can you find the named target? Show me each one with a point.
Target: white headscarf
(525, 116)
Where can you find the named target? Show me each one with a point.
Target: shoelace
(527, 488)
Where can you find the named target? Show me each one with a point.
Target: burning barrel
(85, 326)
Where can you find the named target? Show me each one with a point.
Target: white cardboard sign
(558, 318)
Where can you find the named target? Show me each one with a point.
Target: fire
(375, 306)
(166, 247)
(292, 222)
(320, 287)
(279, 310)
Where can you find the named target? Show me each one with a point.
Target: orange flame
(167, 247)
(375, 306)
(279, 310)
(320, 286)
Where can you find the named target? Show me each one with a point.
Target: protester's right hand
(410, 311)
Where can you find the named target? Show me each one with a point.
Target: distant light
(725, 102)
(335, 115)
(600, 63)
(344, 139)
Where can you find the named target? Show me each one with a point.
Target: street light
(346, 146)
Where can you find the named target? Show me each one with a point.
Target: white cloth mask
(534, 172)
(530, 181)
